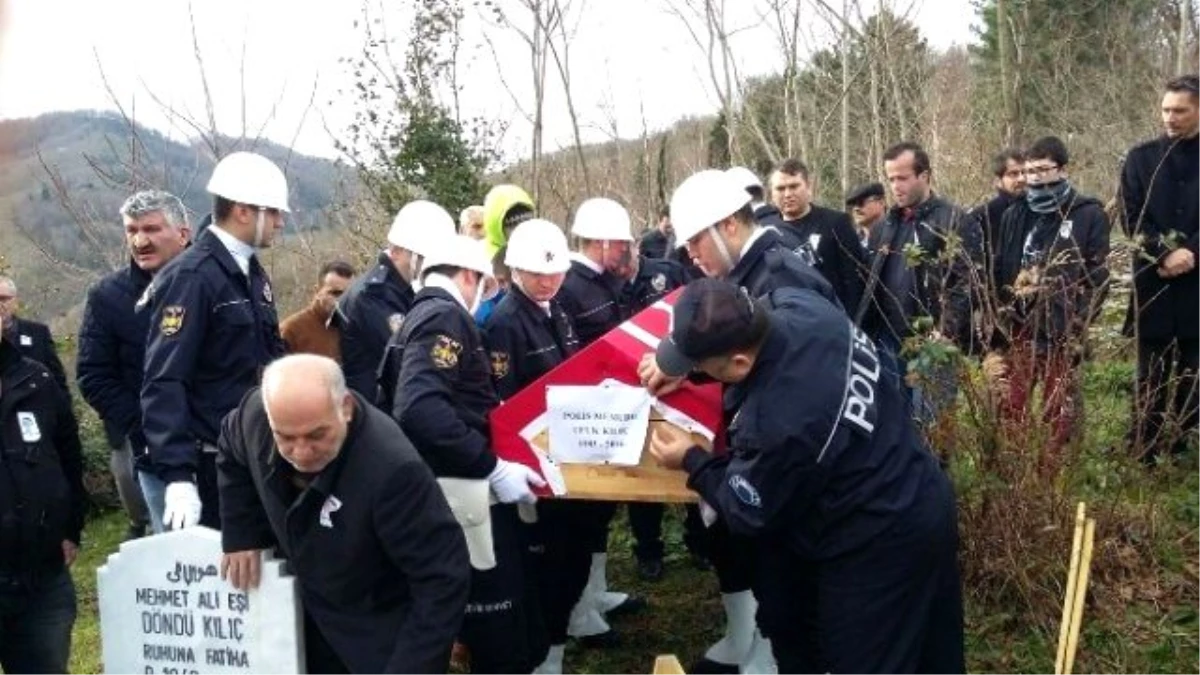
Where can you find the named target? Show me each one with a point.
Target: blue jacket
(370, 312)
(592, 300)
(112, 349)
(656, 277)
(524, 342)
(440, 384)
(211, 332)
(768, 265)
(823, 452)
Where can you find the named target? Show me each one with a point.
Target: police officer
(715, 223)
(377, 302)
(213, 327)
(854, 518)
(592, 297)
(443, 393)
(112, 347)
(527, 336)
(42, 504)
(317, 470)
(647, 281)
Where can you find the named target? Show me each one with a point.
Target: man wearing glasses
(1051, 280)
(1160, 190)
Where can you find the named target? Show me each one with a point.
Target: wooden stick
(1064, 628)
(667, 664)
(1085, 568)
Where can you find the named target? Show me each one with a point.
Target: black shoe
(632, 605)
(700, 562)
(134, 532)
(650, 569)
(712, 667)
(609, 639)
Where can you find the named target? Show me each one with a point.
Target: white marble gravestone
(165, 609)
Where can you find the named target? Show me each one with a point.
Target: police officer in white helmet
(376, 303)
(442, 394)
(213, 328)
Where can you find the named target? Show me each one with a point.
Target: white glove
(182, 506)
(510, 481)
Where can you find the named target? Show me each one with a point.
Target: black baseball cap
(863, 192)
(711, 318)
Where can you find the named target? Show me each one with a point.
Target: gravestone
(165, 609)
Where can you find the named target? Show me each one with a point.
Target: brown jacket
(308, 332)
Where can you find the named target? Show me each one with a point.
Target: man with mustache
(112, 346)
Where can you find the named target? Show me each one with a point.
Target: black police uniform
(768, 264)
(654, 279)
(112, 353)
(212, 331)
(34, 341)
(385, 574)
(826, 239)
(854, 518)
(525, 342)
(42, 503)
(442, 396)
(592, 300)
(369, 313)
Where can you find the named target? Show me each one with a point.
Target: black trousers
(645, 520)
(503, 626)
(732, 556)
(206, 486)
(1165, 366)
(599, 518)
(893, 606)
(564, 559)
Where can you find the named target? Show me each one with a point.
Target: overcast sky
(630, 60)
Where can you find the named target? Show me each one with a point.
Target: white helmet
(602, 219)
(457, 250)
(745, 177)
(250, 178)
(418, 224)
(704, 199)
(538, 246)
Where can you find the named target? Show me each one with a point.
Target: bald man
(314, 469)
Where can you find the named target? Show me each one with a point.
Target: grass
(1141, 614)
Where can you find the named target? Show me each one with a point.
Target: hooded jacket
(1068, 251)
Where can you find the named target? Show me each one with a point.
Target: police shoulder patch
(744, 491)
(1064, 230)
(395, 321)
(445, 352)
(659, 282)
(499, 364)
(172, 320)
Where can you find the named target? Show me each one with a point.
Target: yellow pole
(1064, 628)
(1080, 593)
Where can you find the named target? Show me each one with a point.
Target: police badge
(499, 364)
(659, 282)
(267, 294)
(445, 352)
(172, 320)
(1064, 230)
(395, 321)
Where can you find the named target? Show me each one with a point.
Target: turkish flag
(519, 424)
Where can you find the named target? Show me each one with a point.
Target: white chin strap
(260, 227)
(478, 299)
(722, 248)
